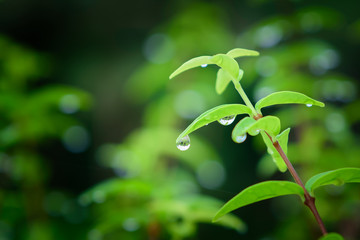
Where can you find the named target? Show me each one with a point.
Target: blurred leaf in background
(139, 185)
(159, 186)
(32, 118)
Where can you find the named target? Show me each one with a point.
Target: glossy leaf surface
(242, 127)
(336, 177)
(270, 124)
(332, 236)
(286, 97)
(259, 192)
(215, 114)
(249, 125)
(192, 63)
(228, 64)
(241, 52)
(223, 79)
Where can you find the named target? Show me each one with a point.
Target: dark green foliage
(32, 118)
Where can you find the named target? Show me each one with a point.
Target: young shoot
(269, 127)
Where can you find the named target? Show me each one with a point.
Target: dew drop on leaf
(241, 138)
(184, 143)
(309, 105)
(227, 120)
(255, 132)
(204, 65)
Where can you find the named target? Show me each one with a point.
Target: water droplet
(184, 143)
(204, 65)
(241, 138)
(227, 120)
(309, 105)
(256, 132)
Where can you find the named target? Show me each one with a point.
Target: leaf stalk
(245, 98)
(309, 201)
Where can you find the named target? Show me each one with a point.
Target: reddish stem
(309, 200)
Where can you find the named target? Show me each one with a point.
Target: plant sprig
(270, 129)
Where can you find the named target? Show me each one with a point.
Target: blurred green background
(89, 118)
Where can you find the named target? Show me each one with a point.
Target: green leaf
(228, 64)
(192, 63)
(259, 192)
(215, 114)
(114, 188)
(202, 208)
(282, 138)
(336, 177)
(241, 129)
(286, 97)
(241, 52)
(223, 79)
(332, 236)
(193, 210)
(271, 124)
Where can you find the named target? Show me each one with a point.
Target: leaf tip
(216, 217)
(172, 75)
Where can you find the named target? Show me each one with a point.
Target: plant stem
(245, 98)
(309, 200)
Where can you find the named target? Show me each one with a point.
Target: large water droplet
(204, 65)
(184, 143)
(309, 105)
(227, 120)
(241, 138)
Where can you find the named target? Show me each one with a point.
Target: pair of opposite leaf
(229, 69)
(268, 125)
